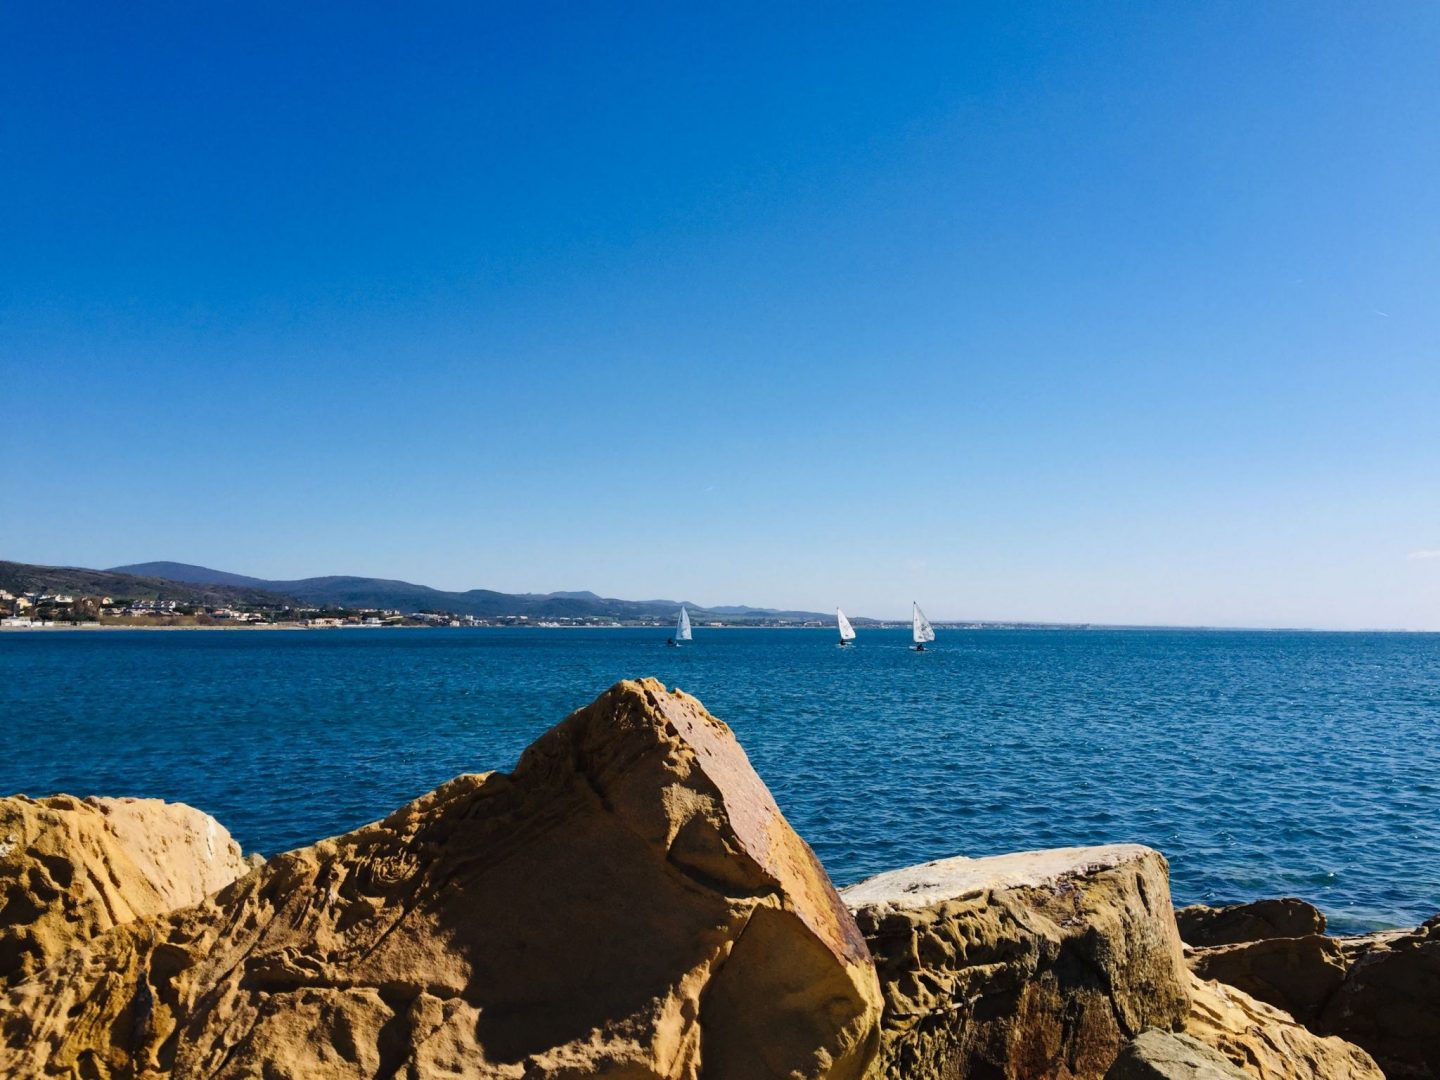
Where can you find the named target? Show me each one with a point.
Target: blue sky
(1120, 312)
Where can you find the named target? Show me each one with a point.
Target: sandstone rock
(628, 903)
(1389, 1002)
(71, 869)
(1298, 975)
(1039, 965)
(1164, 1055)
(1380, 991)
(1286, 917)
(1266, 1043)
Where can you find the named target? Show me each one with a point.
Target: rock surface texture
(1389, 1002)
(1267, 1043)
(1257, 921)
(1039, 965)
(1380, 991)
(71, 869)
(1164, 1055)
(1298, 975)
(628, 903)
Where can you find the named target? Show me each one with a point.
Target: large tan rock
(628, 903)
(1380, 991)
(1389, 1002)
(71, 869)
(1298, 975)
(1037, 965)
(1258, 920)
(1168, 1055)
(1267, 1043)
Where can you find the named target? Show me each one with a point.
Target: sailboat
(921, 630)
(847, 632)
(682, 628)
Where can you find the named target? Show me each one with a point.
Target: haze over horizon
(1028, 313)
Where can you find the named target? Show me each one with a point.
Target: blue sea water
(1260, 763)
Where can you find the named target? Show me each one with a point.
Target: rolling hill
(364, 592)
(24, 577)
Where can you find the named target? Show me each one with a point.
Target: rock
(1268, 1044)
(1164, 1055)
(629, 903)
(1298, 975)
(1389, 1002)
(1258, 921)
(1022, 966)
(71, 869)
(1380, 991)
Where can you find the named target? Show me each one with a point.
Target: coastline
(358, 626)
(72, 627)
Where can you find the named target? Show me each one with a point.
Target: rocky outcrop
(1389, 1001)
(1165, 1055)
(1268, 1044)
(1380, 991)
(1298, 975)
(629, 902)
(71, 869)
(1283, 918)
(1040, 965)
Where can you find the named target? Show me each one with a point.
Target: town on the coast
(37, 610)
(179, 596)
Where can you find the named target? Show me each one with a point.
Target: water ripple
(1260, 763)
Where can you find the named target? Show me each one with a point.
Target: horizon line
(942, 620)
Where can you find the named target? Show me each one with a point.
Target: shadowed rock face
(1039, 965)
(629, 903)
(1389, 1002)
(1298, 975)
(1258, 921)
(71, 869)
(1380, 991)
(1267, 1043)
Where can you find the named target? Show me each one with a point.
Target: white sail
(921, 628)
(847, 632)
(682, 625)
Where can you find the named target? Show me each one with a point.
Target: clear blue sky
(1121, 312)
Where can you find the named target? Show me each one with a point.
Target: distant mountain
(24, 577)
(363, 592)
(197, 575)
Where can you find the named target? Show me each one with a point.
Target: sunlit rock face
(1167, 1055)
(629, 902)
(1267, 1043)
(71, 869)
(1380, 991)
(1035, 965)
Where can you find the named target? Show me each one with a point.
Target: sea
(1261, 763)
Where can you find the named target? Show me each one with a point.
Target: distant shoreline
(241, 626)
(947, 628)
